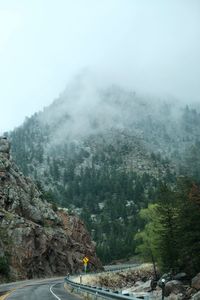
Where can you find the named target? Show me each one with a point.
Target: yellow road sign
(85, 260)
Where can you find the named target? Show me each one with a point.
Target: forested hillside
(103, 153)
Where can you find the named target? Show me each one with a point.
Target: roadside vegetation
(170, 233)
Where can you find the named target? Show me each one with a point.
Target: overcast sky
(151, 45)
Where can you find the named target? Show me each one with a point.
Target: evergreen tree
(188, 195)
(171, 231)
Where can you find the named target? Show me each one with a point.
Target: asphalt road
(47, 289)
(52, 290)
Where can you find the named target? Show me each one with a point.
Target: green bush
(4, 266)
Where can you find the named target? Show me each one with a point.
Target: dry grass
(118, 279)
(4, 296)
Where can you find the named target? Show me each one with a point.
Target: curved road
(51, 290)
(47, 289)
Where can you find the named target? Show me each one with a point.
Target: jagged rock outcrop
(35, 240)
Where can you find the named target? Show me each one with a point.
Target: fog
(89, 108)
(149, 46)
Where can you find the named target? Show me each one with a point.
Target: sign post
(85, 263)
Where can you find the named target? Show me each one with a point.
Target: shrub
(4, 266)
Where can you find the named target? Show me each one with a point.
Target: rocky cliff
(35, 239)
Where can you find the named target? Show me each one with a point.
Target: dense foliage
(171, 231)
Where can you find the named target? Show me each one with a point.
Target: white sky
(151, 45)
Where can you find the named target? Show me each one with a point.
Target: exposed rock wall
(36, 240)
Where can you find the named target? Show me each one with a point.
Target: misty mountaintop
(101, 151)
(87, 109)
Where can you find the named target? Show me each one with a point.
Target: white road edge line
(53, 292)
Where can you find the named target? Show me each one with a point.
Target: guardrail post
(163, 288)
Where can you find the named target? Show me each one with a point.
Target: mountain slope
(101, 152)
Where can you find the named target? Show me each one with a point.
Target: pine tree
(188, 195)
(167, 214)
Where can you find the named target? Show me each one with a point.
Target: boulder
(190, 292)
(175, 297)
(141, 286)
(196, 296)
(181, 276)
(196, 282)
(174, 286)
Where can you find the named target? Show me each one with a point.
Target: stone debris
(138, 283)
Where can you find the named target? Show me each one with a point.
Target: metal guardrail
(107, 269)
(105, 293)
(120, 268)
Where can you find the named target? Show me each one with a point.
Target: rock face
(173, 286)
(35, 240)
(196, 282)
